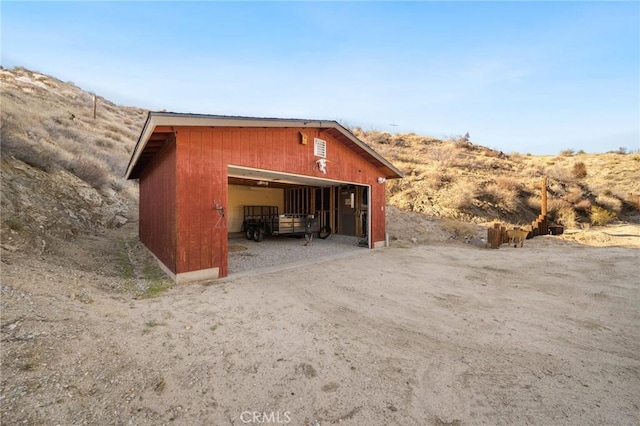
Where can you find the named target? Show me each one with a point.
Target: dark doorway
(347, 210)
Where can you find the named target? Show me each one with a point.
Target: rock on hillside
(62, 170)
(39, 206)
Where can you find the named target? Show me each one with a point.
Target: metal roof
(150, 141)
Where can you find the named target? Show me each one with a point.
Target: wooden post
(503, 235)
(543, 206)
(95, 106)
(332, 208)
(494, 236)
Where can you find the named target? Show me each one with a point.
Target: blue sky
(529, 77)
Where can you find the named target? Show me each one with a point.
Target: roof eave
(155, 119)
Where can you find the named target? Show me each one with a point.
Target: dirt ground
(434, 332)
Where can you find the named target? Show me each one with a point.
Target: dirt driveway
(441, 334)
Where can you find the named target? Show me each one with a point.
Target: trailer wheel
(257, 235)
(249, 232)
(324, 232)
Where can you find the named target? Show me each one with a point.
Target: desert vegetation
(61, 156)
(50, 125)
(457, 179)
(62, 168)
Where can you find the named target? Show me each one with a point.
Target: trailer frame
(259, 221)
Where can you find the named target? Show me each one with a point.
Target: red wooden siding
(378, 212)
(184, 188)
(202, 233)
(158, 206)
(203, 156)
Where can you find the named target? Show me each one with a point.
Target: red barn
(197, 171)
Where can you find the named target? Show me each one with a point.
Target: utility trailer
(259, 221)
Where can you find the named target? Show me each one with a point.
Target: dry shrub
(601, 216)
(459, 196)
(556, 204)
(505, 198)
(609, 202)
(16, 143)
(566, 216)
(533, 170)
(584, 205)
(435, 179)
(59, 128)
(463, 143)
(394, 186)
(445, 155)
(580, 170)
(15, 223)
(560, 173)
(399, 141)
(567, 153)
(488, 152)
(404, 201)
(535, 202)
(515, 156)
(429, 141)
(104, 143)
(574, 196)
(89, 171)
(508, 184)
(382, 138)
(113, 136)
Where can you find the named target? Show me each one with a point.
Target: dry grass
(90, 171)
(601, 216)
(49, 124)
(507, 198)
(460, 195)
(609, 202)
(582, 205)
(455, 178)
(567, 217)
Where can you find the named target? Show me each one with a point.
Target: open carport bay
(245, 255)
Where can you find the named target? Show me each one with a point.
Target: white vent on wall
(320, 147)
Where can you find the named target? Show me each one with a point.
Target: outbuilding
(197, 172)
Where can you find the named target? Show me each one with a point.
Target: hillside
(62, 170)
(402, 335)
(457, 179)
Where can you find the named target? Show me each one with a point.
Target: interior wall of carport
(243, 195)
(203, 156)
(325, 202)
